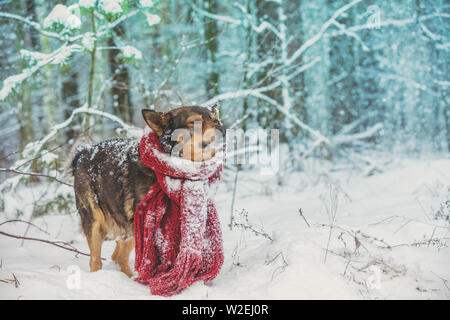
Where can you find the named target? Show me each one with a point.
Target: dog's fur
(110, 180)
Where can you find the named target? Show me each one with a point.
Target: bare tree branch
(63, 245)
(27, 222)
(35, 174)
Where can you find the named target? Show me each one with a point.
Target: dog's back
(109, 183)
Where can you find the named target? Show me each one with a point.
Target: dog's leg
(115, 254)
(122, 253)
(97, 235)
(95, 242)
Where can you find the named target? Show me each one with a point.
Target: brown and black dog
(110, 179)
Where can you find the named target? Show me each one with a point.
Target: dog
(110, 179)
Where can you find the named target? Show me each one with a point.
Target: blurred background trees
(333, 76)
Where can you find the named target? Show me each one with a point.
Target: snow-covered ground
(387, 242)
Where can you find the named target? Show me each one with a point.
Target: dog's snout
(203, 144)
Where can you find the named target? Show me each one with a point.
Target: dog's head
(193, 132)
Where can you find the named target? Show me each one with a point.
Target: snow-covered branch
(292, 117)
(307, 44)
(246, 92)
(241, 93)
(389, 23)
(257, 28)
(347, 138)
(258, 94)
(85, 110)
(110, 26)
(56, 57)
(61, 16)
(385, 23)
(34, 148)
(33, 24)
(351, 34)
(351, 126)
(218, 17)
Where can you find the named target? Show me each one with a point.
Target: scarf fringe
(178, 278)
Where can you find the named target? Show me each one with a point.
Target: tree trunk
(211, 33)
(70, 97)
(269, 117)
(31, 42)
(341, 93)
(249, 55)
(120, 90)
(48, 84)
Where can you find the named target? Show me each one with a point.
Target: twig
(282, 267)
(233, 198)
(424, 242)
(431, 238)
(443, 280)
(55, 243)
(15, 281)
(332, 212)
(247, 226)
(40, 155)
(35, 174)
(382, 263)
(354, 234)
(301, 213)
(251, 228)
(29, 223)
(240, 120)
(171, 71)
(318, 36)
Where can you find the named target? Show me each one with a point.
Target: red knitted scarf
(177, 232)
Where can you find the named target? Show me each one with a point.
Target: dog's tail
(75, 152)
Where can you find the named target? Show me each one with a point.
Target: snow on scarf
(177, 232)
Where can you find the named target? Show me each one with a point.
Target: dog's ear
(215, 111)
(157, 121)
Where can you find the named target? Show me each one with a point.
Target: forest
(357, 91)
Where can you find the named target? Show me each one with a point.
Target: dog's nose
(208, 138)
